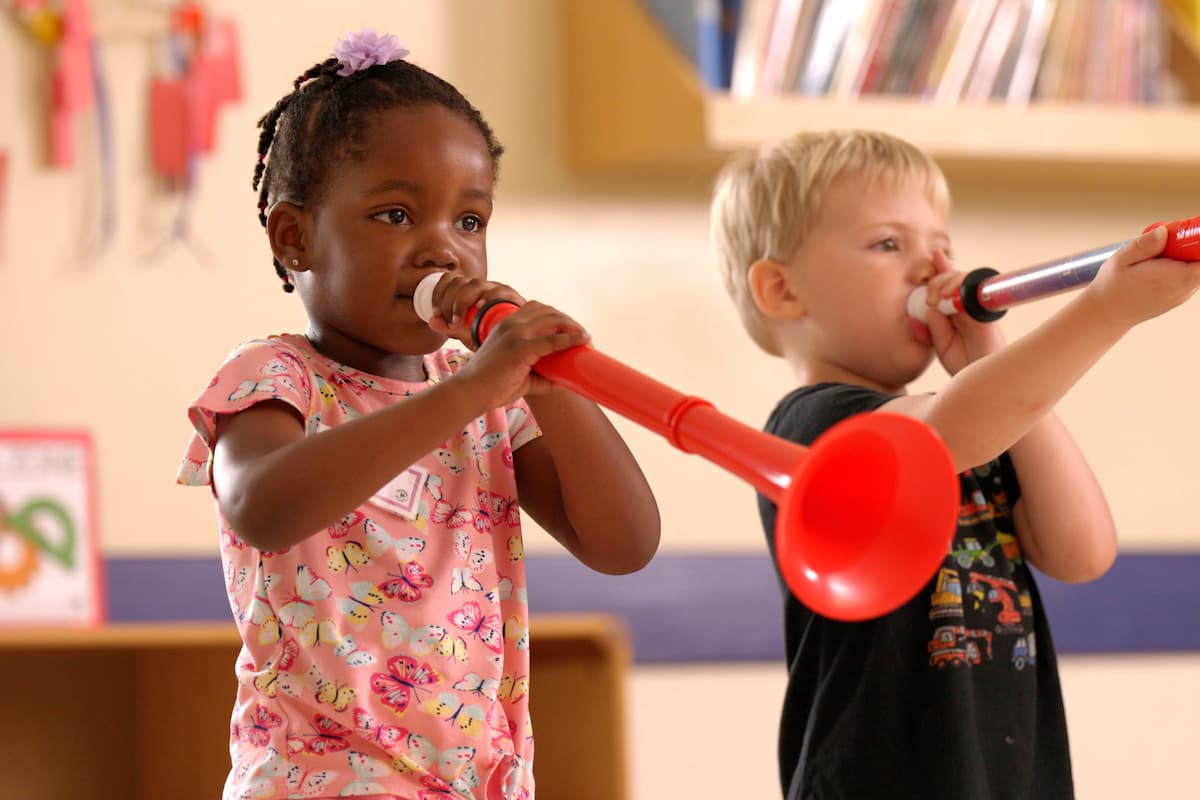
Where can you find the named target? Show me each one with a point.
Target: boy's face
(871, 243)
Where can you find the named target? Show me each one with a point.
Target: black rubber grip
(970, 295)
(479, 317)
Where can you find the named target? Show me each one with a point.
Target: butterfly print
(386, 736)
(462, 579)
(306, 783)
(448, 764)
(477, 685)
(397, 632)
(338, 695)
(310, 589)
(487, 629)
(358, 607)
(328, 736)
(406, 677)
(259, 733)
(409, 584)
(348, 650)
(367, 770)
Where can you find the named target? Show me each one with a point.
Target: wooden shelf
(635, 103)
(141, 712)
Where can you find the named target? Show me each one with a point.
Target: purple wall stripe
(725, 607)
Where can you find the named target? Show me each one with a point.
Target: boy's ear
(770, 284)
(287, 226)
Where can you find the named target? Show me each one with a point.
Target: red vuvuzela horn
(865, 515)
(986, 294)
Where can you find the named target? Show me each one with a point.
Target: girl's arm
(580, 482)
(277, 487)
(1062, 520)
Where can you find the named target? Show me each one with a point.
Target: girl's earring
(295, 262)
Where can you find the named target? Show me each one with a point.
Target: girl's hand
(501, 369)
(1134, 286)
(455, 295)
(957, 339)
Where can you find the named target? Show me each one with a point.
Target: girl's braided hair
(320, 123)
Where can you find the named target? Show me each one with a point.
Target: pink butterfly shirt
(389, 653)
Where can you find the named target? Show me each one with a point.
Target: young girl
(368, 479)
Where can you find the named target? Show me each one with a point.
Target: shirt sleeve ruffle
(257, 370)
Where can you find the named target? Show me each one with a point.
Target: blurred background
(128, 273)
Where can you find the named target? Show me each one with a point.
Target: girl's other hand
(501, 368)
(455, 295)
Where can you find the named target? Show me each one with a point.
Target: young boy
(820, 239)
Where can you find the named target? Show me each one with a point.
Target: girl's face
(417, 198)
(871, 244)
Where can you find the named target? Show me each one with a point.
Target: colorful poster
(49, 553)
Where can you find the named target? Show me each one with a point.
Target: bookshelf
(635, 104)
(141, 711)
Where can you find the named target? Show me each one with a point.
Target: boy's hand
(500, 371)
(958, 339)
(1134, 286)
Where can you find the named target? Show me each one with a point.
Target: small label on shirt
(402, 494)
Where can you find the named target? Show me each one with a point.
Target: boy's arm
(581, 483)
(990, 404)
(1062, 520)
(993, 402)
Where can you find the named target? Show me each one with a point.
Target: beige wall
(117, 343)
(629, 261)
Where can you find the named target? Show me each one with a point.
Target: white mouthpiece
(917, 308)
(916, 303)
(423, 295)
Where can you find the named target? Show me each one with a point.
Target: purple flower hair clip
(366, 48)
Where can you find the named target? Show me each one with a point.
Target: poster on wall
(49, 552)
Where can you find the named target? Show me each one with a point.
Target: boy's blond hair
(766, 200)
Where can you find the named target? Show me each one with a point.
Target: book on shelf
(750, 46)
(716, 29)
(829, 34)
(801, 40)
(935, 33)
(1153, 85)
(1029, 53)
(992, 51)
(884, 40)
(956, 16)
(1008, 63)
(945, 51)
(1054, 60)
(851, 68)
(781, 42)
(913, 38)
(966, 49)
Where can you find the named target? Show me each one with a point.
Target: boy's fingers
(1148, 245)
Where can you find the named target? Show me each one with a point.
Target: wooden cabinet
(634, 103)
(141, 712)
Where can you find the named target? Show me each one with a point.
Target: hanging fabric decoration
(72, 81)
(77, 86)
(200, 75)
